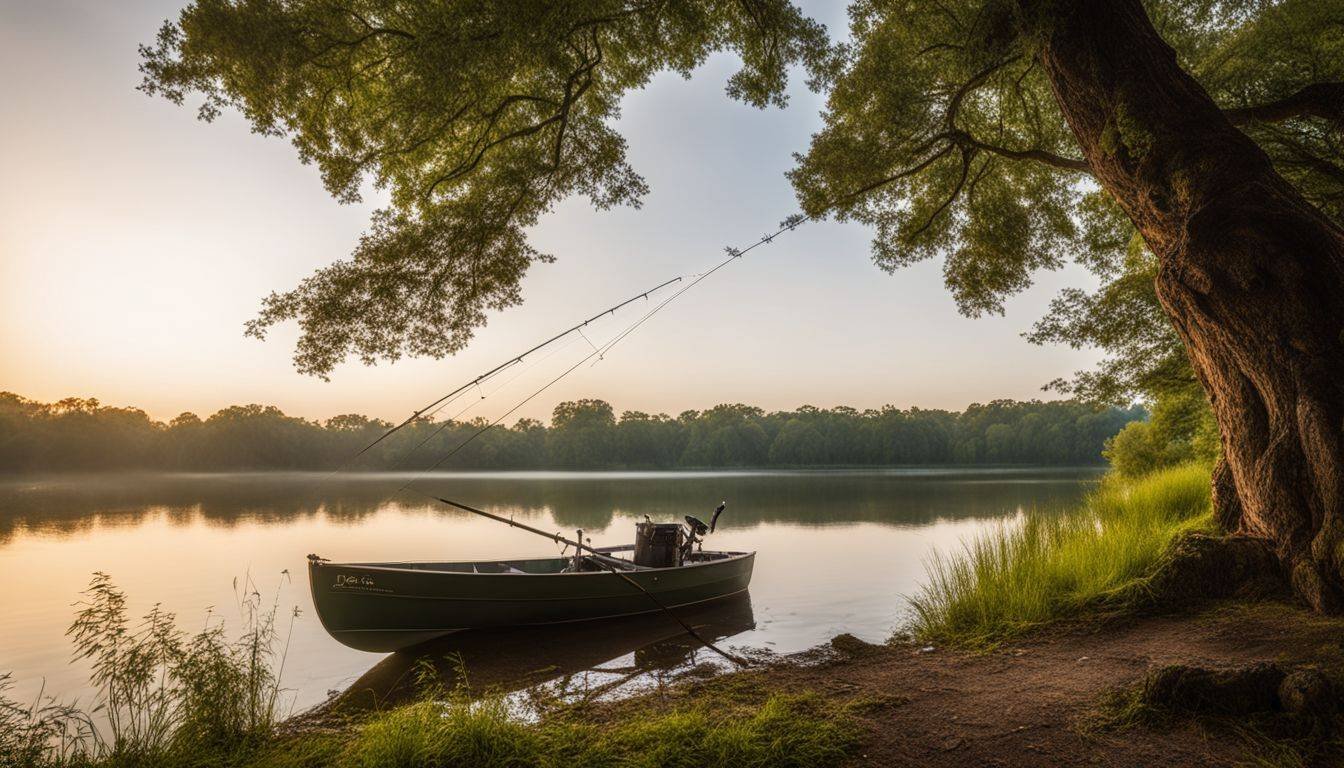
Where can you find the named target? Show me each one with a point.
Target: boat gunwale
(392, 567)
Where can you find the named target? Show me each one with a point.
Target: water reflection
(569, 661)
(836, 551)
(69, 505)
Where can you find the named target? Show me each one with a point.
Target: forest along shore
(78, 434)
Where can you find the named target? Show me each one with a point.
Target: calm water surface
(837, 550)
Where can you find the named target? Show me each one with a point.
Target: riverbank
(1037, 645)
(1047, 698)
(1050, 697)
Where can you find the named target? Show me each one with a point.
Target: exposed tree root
(1304, 698)
(1201, 567)
(1179, 688)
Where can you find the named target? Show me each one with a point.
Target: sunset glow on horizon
(135, 242)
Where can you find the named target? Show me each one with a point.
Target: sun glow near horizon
(137, 241)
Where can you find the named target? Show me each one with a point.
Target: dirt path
(1022, 705)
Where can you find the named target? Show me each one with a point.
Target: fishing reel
(696, 530)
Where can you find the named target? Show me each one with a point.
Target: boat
(383, 607)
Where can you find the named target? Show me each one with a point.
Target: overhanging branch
(1323, 100)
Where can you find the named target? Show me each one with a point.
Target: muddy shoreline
(1027, 703)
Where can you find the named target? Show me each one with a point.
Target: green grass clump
(787, 731)
(1049, 567)
(170, 700)
(163, 696)
(433, 733)
(784, 731)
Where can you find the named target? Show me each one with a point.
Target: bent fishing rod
(789, 224)
(508, 363)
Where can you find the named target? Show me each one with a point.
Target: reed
(162, 696)
(171, 700)
(1045, 567)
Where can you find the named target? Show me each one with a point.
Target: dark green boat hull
(385, 607)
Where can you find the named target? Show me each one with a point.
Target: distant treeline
(80, 434)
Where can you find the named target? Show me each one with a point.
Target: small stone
(926, 649)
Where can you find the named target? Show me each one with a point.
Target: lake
(836, 552)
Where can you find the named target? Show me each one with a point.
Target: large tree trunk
(1251, 274)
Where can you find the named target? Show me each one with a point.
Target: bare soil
(1031, 703)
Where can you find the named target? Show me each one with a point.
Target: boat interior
(551, 565)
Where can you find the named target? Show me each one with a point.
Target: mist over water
(837, 549)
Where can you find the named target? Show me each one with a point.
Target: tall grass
(162, 696)
(1044, 567)
(171, 700)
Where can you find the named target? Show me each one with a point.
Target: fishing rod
(789, 225)
(601, 559)
(507, 363)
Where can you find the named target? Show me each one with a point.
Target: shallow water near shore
(836, 551)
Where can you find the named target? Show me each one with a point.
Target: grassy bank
(800, 731)
(790, 731)
(171, 699)
(1044, 568)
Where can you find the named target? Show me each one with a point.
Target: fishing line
(487, 427)
(506, 364)
(600, 352)
(789, 225)
(452, 419)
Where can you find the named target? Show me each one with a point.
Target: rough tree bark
(1251, 274)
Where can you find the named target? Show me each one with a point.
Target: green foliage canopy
(941, 132)
(947, 101)
(476, 117)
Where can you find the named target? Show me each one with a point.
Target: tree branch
(1323, 100)
(966, 156)
(865, 189)
(1038, 155)
(964, 139)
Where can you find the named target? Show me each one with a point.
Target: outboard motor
(696, 530)
(658, 545)
(668, 545)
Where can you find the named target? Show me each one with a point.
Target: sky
(136, 241)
